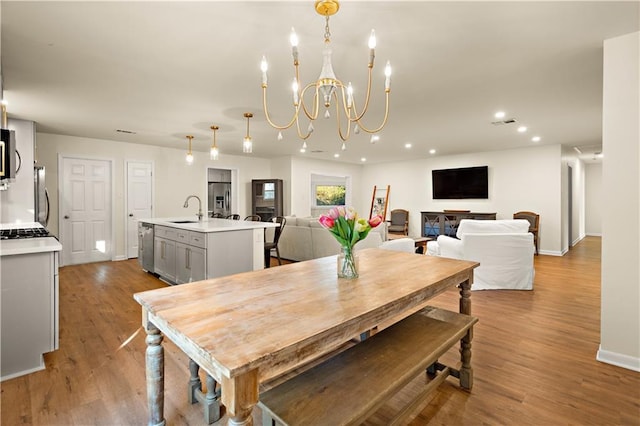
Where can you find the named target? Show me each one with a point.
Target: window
(331, 195)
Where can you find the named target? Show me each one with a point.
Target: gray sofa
(303, 238)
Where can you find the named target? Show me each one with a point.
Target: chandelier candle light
(214, 153)
(348, 229)
(325, 86)
(189, 157)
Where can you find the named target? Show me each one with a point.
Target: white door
(85, 210)
(139, 201)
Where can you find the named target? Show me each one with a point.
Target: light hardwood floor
(533, 356)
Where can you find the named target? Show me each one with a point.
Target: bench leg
(211, 403)
(267, 420)
(466, 372)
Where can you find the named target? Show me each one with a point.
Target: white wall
(173, 180)
(519, 179)
(301, 171)
(593, 199)
(620, 310)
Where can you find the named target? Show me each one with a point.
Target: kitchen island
(181, 250)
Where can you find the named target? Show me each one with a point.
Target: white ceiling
(167, 69)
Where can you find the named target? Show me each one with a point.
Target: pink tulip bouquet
(348, 229)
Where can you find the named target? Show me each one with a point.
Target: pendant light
(247, 144)
(189, 157)
(214, 153)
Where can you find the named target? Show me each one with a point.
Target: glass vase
(347, 263)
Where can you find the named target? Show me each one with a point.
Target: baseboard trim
(619, 360)
(119, 258)
(550, 253)
(594, 235)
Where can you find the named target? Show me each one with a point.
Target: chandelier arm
(266, 112)
(384, 121)
(316, 108)
(335, 98)
(366, 101)
(300, 135)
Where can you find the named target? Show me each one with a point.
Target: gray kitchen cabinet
(190, 263)
(164, 258)
(29, 311)
(180, 256)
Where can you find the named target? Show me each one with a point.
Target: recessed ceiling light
(499, 114)
(336, 155)
(536, 139)
(522, 129)
(303, 150)
(432, 151)
(363, 159)
(407, 145)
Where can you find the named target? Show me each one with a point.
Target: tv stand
(446, 222)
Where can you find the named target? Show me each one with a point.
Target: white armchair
(504, 249)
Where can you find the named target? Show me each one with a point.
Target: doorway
(85, 209)
(139, 201)
(570, 206)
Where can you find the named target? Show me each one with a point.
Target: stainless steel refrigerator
(219, 198)
(41, 204)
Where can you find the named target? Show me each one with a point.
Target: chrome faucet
(186, 204)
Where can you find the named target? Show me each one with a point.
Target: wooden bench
(349, 387)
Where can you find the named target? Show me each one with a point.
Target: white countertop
(208, 224)
(29, 245)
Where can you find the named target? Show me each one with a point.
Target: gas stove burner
(17, 233)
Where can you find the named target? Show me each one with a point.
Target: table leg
(239, 396)
(466, 372)
(155, 376)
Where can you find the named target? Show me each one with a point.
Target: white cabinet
(29, 314)
(164, 258)
(179, 255)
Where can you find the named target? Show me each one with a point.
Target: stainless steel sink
(183, 221)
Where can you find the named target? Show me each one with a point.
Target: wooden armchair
(534, 224)
(399, 223)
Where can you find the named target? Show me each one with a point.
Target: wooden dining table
(247, 328)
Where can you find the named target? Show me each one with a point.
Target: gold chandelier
(327, 87)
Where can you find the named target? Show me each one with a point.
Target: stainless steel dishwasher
(145, 246)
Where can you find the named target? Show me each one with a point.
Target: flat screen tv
(467, 182)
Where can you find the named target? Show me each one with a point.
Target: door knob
(130, 214)
(66, 216)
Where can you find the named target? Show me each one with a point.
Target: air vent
(129, 132)
(317, 151)
(503, 122)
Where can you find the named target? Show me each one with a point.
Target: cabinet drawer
(198, 239)
(183, 236)
(166, 232)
